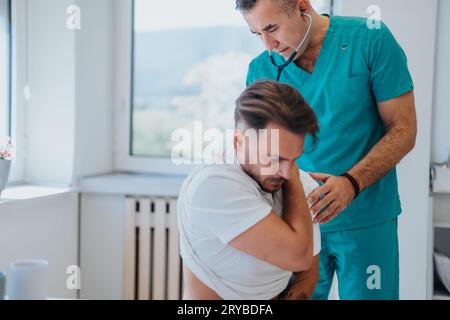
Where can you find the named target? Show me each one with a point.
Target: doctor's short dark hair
(248, 5)
(269, 101)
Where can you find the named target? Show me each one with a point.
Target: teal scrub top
(356, 68)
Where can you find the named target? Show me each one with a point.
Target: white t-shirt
(216, 204)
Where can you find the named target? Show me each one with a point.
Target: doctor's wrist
(354, 183)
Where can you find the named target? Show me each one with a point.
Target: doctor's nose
(269, 42)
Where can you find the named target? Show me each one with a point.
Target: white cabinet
(101, 246)
(41, 225)
(441, 240)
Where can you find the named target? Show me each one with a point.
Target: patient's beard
(269, 184)
(272, 184)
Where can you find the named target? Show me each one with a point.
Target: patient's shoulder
(214, 182)
(309, 184)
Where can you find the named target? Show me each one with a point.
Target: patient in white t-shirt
(245, 227)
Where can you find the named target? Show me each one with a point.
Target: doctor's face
(279, 31)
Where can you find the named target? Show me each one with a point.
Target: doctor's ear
(303, 7)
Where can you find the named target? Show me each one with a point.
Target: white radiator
(152, 261)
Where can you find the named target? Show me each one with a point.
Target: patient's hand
(303, 284)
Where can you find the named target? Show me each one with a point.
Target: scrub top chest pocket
(351, 99)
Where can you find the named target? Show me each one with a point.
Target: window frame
(6, 4)
(18, 83)
(123, 161)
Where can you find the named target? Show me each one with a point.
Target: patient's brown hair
(269, 101)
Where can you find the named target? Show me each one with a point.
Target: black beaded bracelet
(354, 183)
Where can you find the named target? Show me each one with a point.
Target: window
(189, 61)
(5, 68)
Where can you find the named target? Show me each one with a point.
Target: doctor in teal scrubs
(355, 76)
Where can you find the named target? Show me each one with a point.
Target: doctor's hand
(333, 197)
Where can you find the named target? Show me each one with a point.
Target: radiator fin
(152, 262)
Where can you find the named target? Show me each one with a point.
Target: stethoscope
(281, 67)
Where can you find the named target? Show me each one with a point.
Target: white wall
(69, 118)
(18, 81)
(67, 124)
(94, 80)
(45, 228)
(440, 150)
(4, 60)
(50, 111)
(413, 22)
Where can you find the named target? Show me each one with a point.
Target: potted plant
(6, 155)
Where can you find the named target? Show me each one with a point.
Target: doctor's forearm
(388, 152)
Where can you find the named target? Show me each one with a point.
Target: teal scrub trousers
(366, 262)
